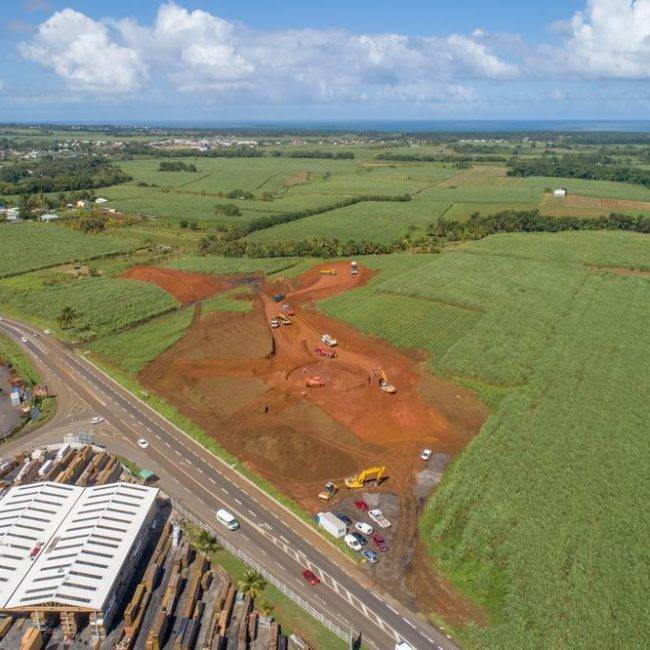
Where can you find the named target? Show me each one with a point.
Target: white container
(329, 522)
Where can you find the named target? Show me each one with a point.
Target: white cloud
(81, 51)
(610, 38)
(195, 51)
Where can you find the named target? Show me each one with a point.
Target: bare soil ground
(246, 385)
(185, 287)
(577, 202)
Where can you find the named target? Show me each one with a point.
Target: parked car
(47, 331)
(24, 339)
(380, 543)
(353, 542)
(370, 556)
(426, 454)
(361, 505)
(360, 538)
(363, 527)
(143, 443)
(310, 577)
(344, 518)
(97, 419)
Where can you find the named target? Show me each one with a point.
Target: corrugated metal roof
(65, 545)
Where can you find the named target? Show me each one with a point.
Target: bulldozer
(384, 384)
(370, 474)
(330, 490)
(328, 272)
(315, 382)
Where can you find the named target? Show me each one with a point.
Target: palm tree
(252, 583)
(266, 607)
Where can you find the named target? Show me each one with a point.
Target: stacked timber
(242, 634)
(158, 631)
(226, 611)
(5, 625)
(76, 466)
(110, 473)
(32, 639)
(194, 590)
(274, 636)
(28, 472)
(252, 625)
(96, 465)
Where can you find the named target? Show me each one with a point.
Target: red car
(310, 577)
(361, 505)
(380, 543)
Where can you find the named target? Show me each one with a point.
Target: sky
(266, 60)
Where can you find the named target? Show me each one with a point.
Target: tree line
(439, 157)
(579, 166)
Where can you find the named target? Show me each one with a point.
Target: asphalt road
(270, 534)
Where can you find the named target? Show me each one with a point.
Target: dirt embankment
(185, 287)
(246, 385)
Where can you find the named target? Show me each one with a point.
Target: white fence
(345, 634)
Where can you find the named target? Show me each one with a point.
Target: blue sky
(253, 60)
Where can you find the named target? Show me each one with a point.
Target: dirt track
(245, 384)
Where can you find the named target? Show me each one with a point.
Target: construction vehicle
(279, 297)
(330, 490)
(275, 323)
(327, 354)
(329, 340)
(287, 310)
(315, 382)
(353, 268)
(328, 272)
(384, 384)
(370, 474)
(283, 319)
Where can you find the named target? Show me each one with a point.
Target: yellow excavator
(370, 474)
(384, 384)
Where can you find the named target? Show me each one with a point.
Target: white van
(227, 519)
(353, 542)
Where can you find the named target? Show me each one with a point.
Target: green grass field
(103, 305)
(30, 246)
(132, 349)
(542, 519)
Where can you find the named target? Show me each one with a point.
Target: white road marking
(408, 622)
(238, 501)
(224, 490)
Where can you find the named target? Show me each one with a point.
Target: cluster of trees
(242, 195)
(227, 209)
(54, 174)
(316, 153)
(478, 226)
(579, 166)
(176, 166)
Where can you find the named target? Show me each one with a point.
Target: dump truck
(329, 491)
(315, 382)
(370, 474)
(384, 384)
(353, 268)
(328, 271)
(282, 317)
(327, 354)
(329, 340)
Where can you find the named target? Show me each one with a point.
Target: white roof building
(561, 191)
(64, 547)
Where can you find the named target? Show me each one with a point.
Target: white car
(143, 443)
(363, 527)
(1, 319)
(47, 331)
(24, 339)
(353, 542)
(426, 454)
(97, 419)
